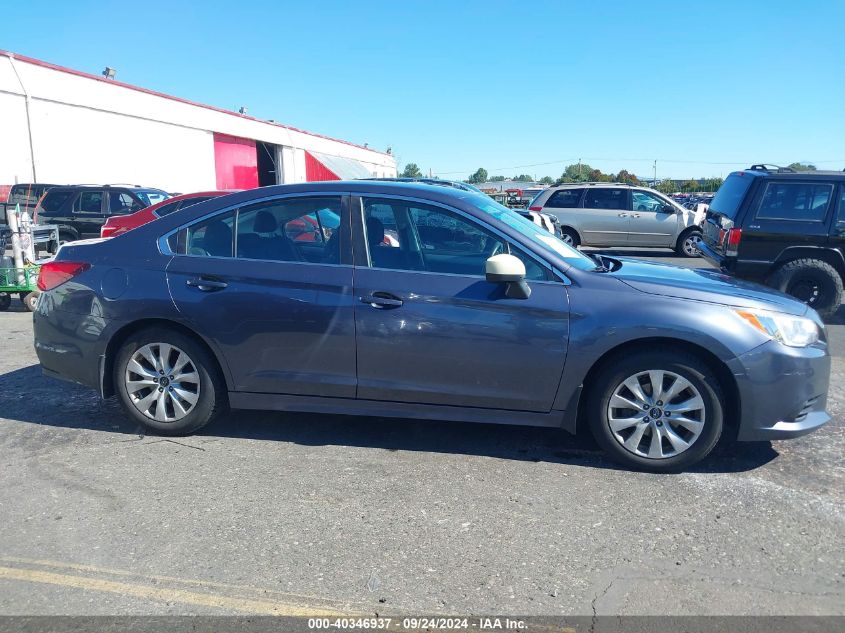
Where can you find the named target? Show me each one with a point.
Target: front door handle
(206, 284)
(622, 215)
(382, 300)
(635, 215)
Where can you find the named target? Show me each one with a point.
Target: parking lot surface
(301, 514)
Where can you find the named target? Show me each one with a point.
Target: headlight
(787, 329)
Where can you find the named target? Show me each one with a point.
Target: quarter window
(606, 199)
(564, 199)
(212, 237)
(411, 236)
(123, 203)
(802, 202)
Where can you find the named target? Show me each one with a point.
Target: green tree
(547, 180)
(496, 179)
(667, 186)
(523, 178)
(577, 172)
(691, 185)
(803, 167)
(411, 171)
(478, 177)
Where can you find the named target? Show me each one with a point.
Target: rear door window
(795, 201)
(606, 199)
(731, 194)
(564, 199)
(89, 202)
(121, 203)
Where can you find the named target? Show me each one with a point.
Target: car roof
(188, 196)
(761, 171)
(110, 186)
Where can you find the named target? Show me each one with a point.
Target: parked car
(477, 315)
(545, 220)
(80, 210)
(612, 214)
(784, 228)
(118, 224)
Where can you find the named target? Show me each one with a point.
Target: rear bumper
(783, 391)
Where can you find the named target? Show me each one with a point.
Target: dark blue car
(425, 302)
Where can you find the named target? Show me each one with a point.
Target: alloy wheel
(162, 382)
(691, 244)
(567, 239)
(656, 414)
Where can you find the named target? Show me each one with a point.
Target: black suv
(80, 210)
(784, 228)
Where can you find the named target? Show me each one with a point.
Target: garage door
(236, 162)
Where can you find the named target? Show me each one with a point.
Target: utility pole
(579, 169)
(655, 174)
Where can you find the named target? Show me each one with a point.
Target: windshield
(540, 237)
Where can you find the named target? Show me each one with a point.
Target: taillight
(535, 208)
(106, 230)
(54, 274)
(732, 242)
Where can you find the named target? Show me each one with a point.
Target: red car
(120, 224)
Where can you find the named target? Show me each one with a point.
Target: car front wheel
(168, 382)
(656, 411)
(688, 244)
(813, 281)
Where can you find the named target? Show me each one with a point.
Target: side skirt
(349, 406)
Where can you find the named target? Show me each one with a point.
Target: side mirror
(509, 270)
(667, 208)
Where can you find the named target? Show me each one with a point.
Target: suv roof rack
(596, 183)
(768, 167)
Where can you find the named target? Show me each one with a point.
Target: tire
(813, 281)
(5, 301)
(203, 383)
(570, 237)
(64, 238)
(30, 300)
(703, 388)
(687, 243)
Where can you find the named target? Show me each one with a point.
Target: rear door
(786, 213)
(605, 218)
(89, 212)
(284, 324)
(651, 223)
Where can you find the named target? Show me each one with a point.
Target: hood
(703, 285)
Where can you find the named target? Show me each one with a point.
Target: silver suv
(613, 214)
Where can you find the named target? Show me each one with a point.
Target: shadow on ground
(28, 397)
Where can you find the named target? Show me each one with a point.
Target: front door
(430, 328)
(283, 321)
(651, 224)
(606, 218)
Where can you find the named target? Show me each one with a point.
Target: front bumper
(783, 391)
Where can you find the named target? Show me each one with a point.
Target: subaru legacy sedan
(470, 313)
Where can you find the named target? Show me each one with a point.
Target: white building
(62, 126)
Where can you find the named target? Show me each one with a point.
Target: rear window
(731, 194)
(54, 200)
(606, 199)
(798, 202)
(151, 196)
(564, 199)
(25, 194)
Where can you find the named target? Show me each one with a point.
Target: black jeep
(784, 228)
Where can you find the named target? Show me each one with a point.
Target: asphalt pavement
(302, 514)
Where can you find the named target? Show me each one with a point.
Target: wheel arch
(722, 372)
(828, 255)
(121, 335)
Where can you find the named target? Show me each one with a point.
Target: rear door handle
(622, 215)
(382, 300)
(206, 285)
(635, 215)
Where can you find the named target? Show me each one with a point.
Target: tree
(576, 172)
(547, 180)
(411, 171)
(667, 186)
(803, 167)
(478, 177)
(691, 185)
(523, 178)
(496, 179)
(625, 176)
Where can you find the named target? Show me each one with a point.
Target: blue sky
(453, 86)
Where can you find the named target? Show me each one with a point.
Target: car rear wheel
(569, 237)
(688, 244)
(656, 411)
(815, 282)
(30, 300)
(5, 301)
(168, 382)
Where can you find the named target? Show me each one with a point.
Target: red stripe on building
(235, 162)
(315, 170)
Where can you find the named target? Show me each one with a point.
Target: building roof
(114, 82)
